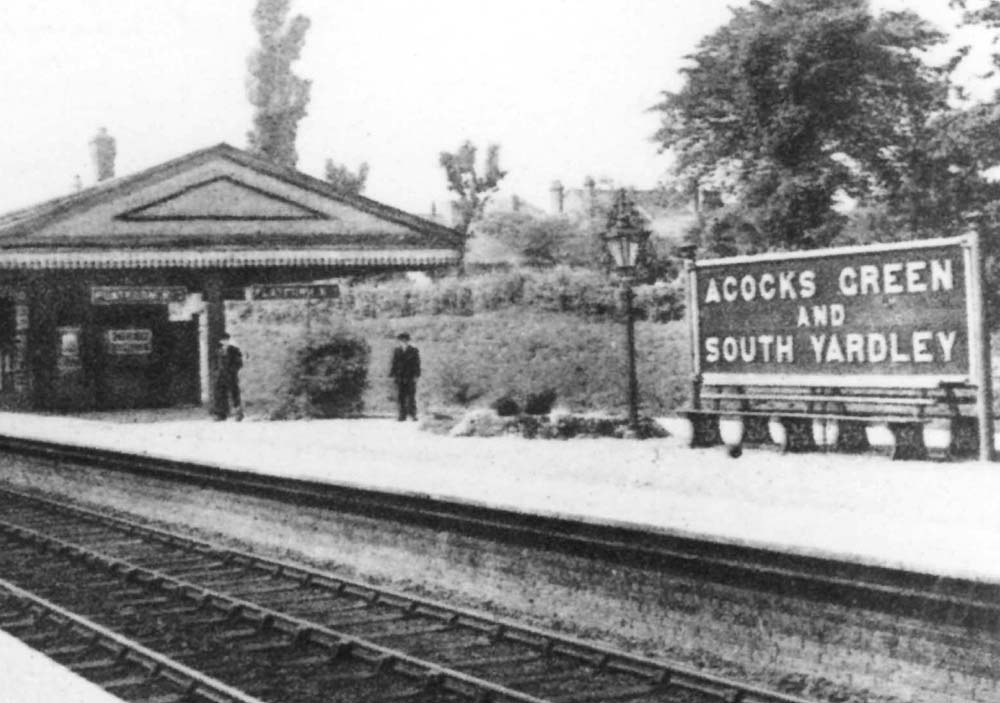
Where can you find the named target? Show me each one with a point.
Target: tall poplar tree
(278, 95)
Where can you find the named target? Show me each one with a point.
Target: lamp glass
(624, 244)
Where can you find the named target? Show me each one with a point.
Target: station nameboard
(886, 315)
(137, 295)
(295, 291)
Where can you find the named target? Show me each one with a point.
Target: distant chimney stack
(557, 197)
(103, 152)
(591, 187)
(515, 203)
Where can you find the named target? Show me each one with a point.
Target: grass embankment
(472, 360)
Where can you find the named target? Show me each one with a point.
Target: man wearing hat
(229, 361)
(405, 371)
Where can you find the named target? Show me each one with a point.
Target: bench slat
(859, 400)
(869, 418)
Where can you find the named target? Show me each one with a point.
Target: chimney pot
(557, 197)
(103, 152)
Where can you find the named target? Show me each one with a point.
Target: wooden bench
(918, 422)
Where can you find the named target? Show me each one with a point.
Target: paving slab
(934, 517)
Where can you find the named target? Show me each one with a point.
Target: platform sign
(129, 342)
(137, 295)
(879, 316)
(295, 291)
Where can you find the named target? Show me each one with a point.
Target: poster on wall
(68, 359)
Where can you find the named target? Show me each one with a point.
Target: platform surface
(31, 677)
(928, 516)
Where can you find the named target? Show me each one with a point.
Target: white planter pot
(731, 431)
(826, 433)
(937, 435)
(779, 435)
(879, 435)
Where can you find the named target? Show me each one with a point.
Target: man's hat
(224, 337)
(403, 337)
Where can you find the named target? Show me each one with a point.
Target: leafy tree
(984, 12)
(344, 180)
(279, 96)
(473, 189)
(945, 190)
(793, 106)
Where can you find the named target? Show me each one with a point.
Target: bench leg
(704, 430)
(793, 434)
(964, 437)
(755, 430)
(908, 440)
(852, 437)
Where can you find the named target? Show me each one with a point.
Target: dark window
(7, 322)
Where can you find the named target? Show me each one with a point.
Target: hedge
(580, 292)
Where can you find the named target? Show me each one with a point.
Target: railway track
(939, 600)
(280, 632)
(117, 664)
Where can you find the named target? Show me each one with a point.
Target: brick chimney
(557, 194)
(102, 151)
(591, 187)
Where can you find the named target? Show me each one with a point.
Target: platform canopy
(220, 208)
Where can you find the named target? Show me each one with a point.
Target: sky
(563, 86)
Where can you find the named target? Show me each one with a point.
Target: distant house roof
(668, 217)
(511, 202)
(483, 249)
(218, 207)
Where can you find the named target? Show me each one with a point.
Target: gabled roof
(217, 198)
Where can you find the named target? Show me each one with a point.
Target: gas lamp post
(624, 238)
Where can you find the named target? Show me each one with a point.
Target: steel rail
(188, 680)
(659, 672)
(954, 600)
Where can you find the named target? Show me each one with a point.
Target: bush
(327, 377)
(506, 406)
(540, 403)
(660, 302)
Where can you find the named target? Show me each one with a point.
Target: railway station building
(112, 297)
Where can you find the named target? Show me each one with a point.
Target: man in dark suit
(229, 361)
(405, 371)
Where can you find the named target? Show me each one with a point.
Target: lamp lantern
(624, 238)
(625, 234)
